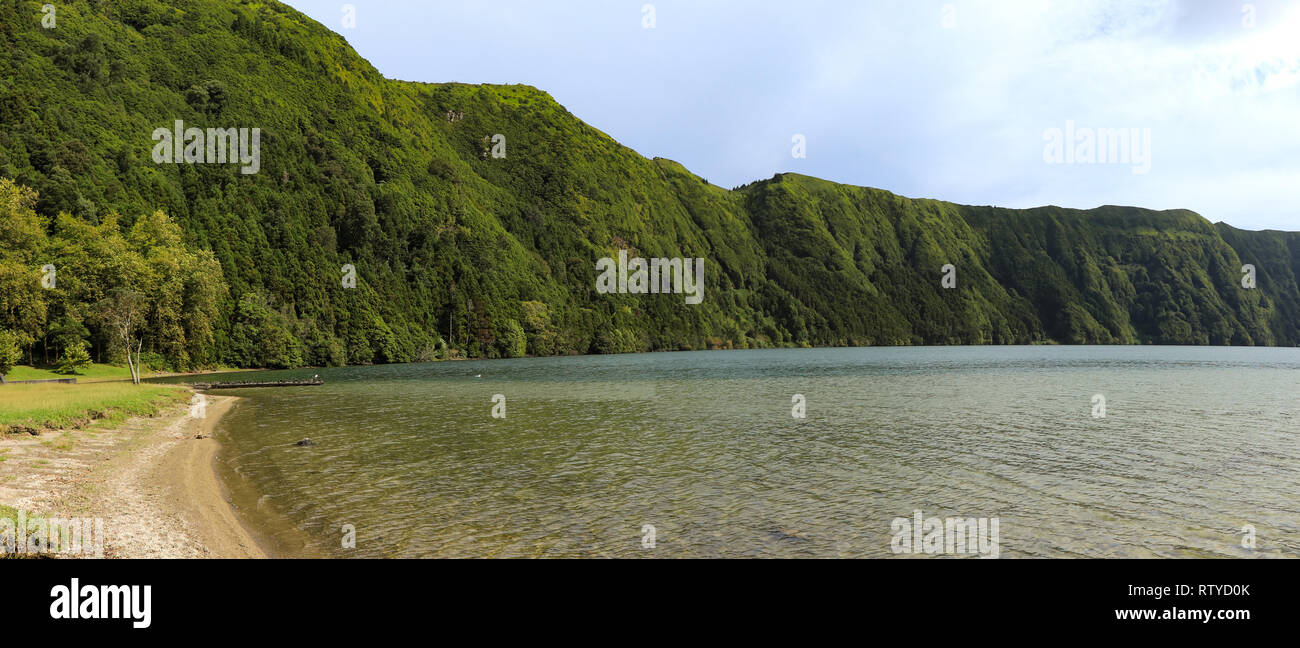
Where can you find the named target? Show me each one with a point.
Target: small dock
(246, 385)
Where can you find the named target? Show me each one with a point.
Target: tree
(121, 313)
(67, 331)
(513, 342)
(261, 336)
(24, 304)
(10, 353)
(217, 96)
(75, 358)
(197, 98)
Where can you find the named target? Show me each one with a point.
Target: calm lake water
(1195, 444)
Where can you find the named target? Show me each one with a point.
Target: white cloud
(890, 98)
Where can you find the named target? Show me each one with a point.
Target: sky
(982, 102)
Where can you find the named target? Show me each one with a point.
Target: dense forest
(466, 244)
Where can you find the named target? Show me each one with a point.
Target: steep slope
(1276, 257)
(495, 256)
(1103, 276)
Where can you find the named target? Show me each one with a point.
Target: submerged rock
(789, 534)
(305, 442)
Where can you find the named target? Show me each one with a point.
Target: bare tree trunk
(130, 363)
(137, 360)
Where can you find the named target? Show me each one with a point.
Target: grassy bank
(92, 373)
(102, 373)
(57, 406)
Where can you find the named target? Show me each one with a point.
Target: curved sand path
(152, 480)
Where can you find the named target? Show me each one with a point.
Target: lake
(1074, 451)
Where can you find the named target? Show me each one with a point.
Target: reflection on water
(1196, 444)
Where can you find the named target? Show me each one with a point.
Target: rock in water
(305, 442)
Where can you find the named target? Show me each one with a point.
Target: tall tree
(10, 354)
(122, 312)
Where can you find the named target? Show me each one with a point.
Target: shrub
(512, 340)
(75, 358)
(10, 353)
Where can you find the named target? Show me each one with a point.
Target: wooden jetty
(272, 383)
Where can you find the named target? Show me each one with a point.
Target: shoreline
(153, 481)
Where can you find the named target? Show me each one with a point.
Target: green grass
(66, 440)
(93, 373)
(59, 406)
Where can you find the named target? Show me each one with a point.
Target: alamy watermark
(948, 16)
(639, 276)
(77, 601)
(494, 146)
(36, 535)
(181, 145)
(948, 280)
(1082, 145)
(952, 535)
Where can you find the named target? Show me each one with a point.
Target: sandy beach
(152, 480)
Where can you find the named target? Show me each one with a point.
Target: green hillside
(458, 252)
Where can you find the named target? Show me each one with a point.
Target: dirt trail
(151, 480)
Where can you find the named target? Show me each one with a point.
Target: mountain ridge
(461, 253)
